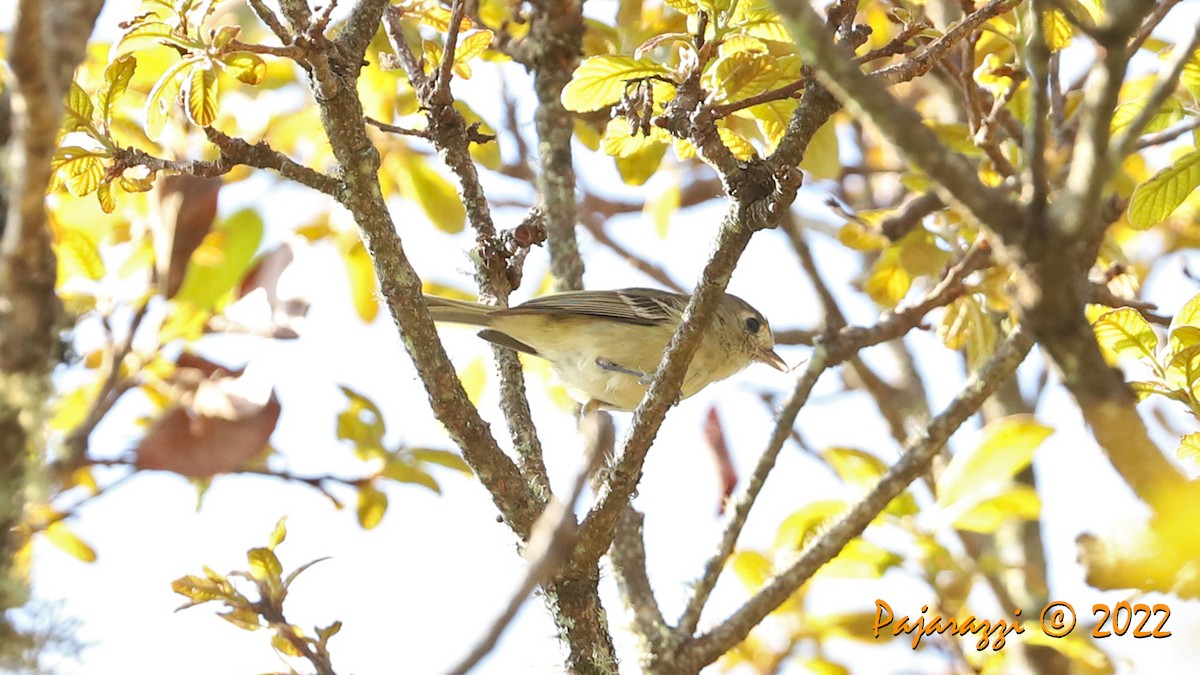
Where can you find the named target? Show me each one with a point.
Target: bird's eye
(752, 324)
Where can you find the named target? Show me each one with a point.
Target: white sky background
(417, 591)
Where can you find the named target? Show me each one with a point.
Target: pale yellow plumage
(604, 346)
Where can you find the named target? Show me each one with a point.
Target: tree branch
(866, 98)
(342, 116)
(913, 463)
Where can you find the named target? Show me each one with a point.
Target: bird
(605, 346)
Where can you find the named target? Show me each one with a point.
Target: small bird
(605, 346)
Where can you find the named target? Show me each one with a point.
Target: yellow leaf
(363, 284)
(1189, 314)
(402, 472)
(61, 536)
(740, 147)
(888, 281)
(79, 110)
(1123, 332)
(1017, 502)
(78, 255)
(201, 94)
(221, 261)
(472, 45)
(1155, 199)
(688, 7)
(1183, 337)
(284, 646)
(1183, 372)
(661, 207)
(247, 67)
(79, 169)
(435, 195)
(1170, 112)
(620, 141)
(1057, 29)
(857, 236)
(855, 467)
(278, 534)
(163, 96)
(264, 565)
(638, 167)
(1189, 449)
(739, 74)
(601, 80)
(1191, 75)
(1006, 447)
(372, 504)
(752, 567)
(797, 529)
(474, 378)
(821, 158)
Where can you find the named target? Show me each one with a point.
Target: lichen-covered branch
(47, 42)
(554, 43)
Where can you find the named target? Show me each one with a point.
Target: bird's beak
(769, 357)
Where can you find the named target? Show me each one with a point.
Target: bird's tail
(459, 311)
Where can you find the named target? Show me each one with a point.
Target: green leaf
(221, 261)
(600, 81)
(1124, 332)
(1006, 447)
(372, 504)
(1155, 199)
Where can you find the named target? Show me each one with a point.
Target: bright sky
(417, 591)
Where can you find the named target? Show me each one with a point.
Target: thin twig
(912, 464)
(551, 541)
(1164, 88)
(393, 129)
(652, 270)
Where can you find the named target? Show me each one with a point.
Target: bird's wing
(642, 306)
